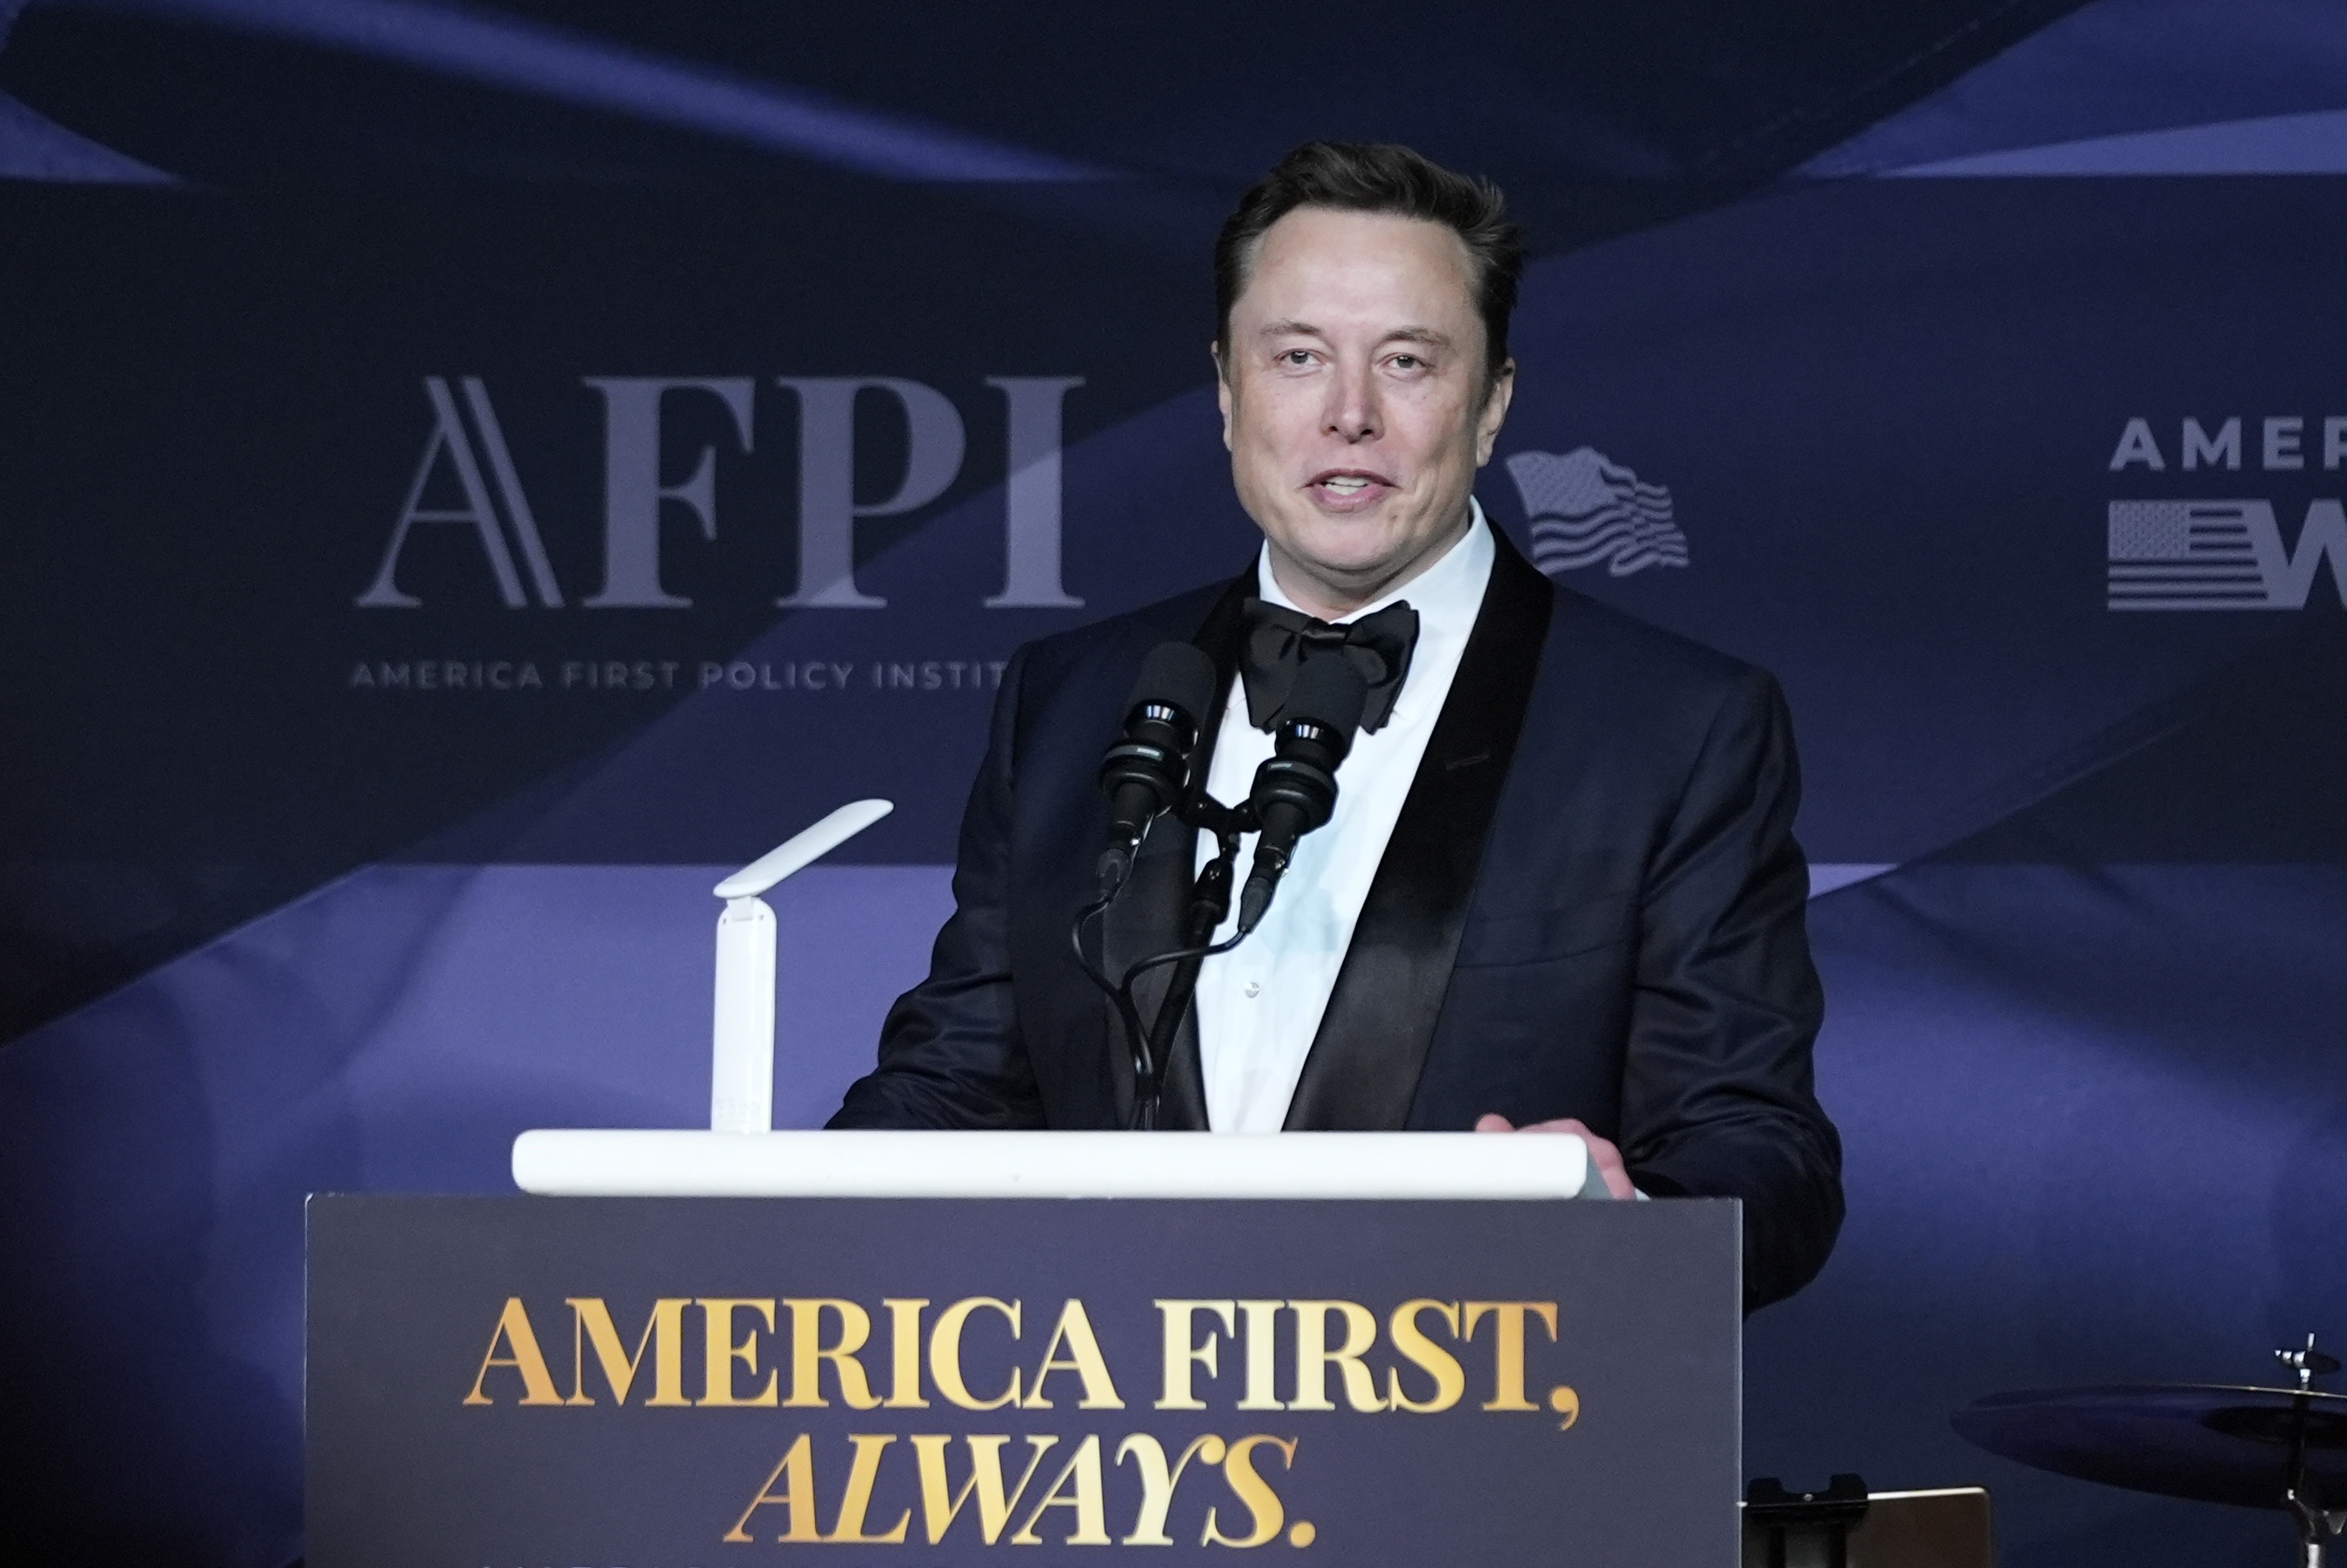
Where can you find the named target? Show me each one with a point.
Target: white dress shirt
(1260, 1006)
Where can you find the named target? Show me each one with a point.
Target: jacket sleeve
(951, 1051)
(1718, 1090)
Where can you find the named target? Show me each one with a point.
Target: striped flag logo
(2188, 555)
(1586, 509)
(2220, 555)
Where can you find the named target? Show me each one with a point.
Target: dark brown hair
(1380, 177)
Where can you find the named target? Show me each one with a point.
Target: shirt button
(1252, 989)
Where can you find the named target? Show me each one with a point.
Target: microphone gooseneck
(1296, 790)
(1144, 771)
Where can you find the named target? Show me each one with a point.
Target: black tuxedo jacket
(1592, 906)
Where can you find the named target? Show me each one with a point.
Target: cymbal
(2211, 1442)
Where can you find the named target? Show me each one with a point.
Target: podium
(676, 1382)
(691, 1347)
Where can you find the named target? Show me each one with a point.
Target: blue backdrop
(468, 476)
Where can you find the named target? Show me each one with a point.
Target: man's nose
(1353, 414)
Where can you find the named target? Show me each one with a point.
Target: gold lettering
(513, 1332)
(1092, 1510)
(1410, 1342)
(905, 1355)
(1313, 1356)
(1507, 1347)
(1262, 1318)
(799, 1465)
(721, 1351)
(1263, 1504)
(1183, 1353)
(590, 1323)
(1566, 1400)
(849, 1531)
(939, 1507)
(945, 1353)
(1158, 1481)
(808, 1353)
(1084, 1359)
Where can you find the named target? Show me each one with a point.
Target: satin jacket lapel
(1147, 918)
(1363, 1069)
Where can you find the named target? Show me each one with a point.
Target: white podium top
(863, 1164)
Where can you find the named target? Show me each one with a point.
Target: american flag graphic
(1585, 508)
(2188, 555)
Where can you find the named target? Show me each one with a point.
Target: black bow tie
(1279, 641)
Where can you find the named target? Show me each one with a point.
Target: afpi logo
(1585, 508)
(466, 458)
(2223, 554)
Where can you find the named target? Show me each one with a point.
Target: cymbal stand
(1809, 1529)
(2302, 1493)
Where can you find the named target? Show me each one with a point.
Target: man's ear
(1221, 391)
(1495, 413)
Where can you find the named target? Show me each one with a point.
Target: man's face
(1353, 400)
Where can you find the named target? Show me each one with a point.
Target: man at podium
(1558, 889)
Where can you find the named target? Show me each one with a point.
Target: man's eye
(1297, 356)
(1407, 362)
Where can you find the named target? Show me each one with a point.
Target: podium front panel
(681, 1383)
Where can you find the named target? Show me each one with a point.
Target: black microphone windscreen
(1330, 690)
(1178, 674)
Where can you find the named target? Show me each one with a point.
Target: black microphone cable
(1151, 1046)
(1144, 1066)
(1209, 900)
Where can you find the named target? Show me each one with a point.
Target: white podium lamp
(741, 1043)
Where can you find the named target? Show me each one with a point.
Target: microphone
(1296, 790)
(1142, 774)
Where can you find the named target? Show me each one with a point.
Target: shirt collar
(1446, 595)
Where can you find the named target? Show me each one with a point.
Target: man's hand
(1607, 1157)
